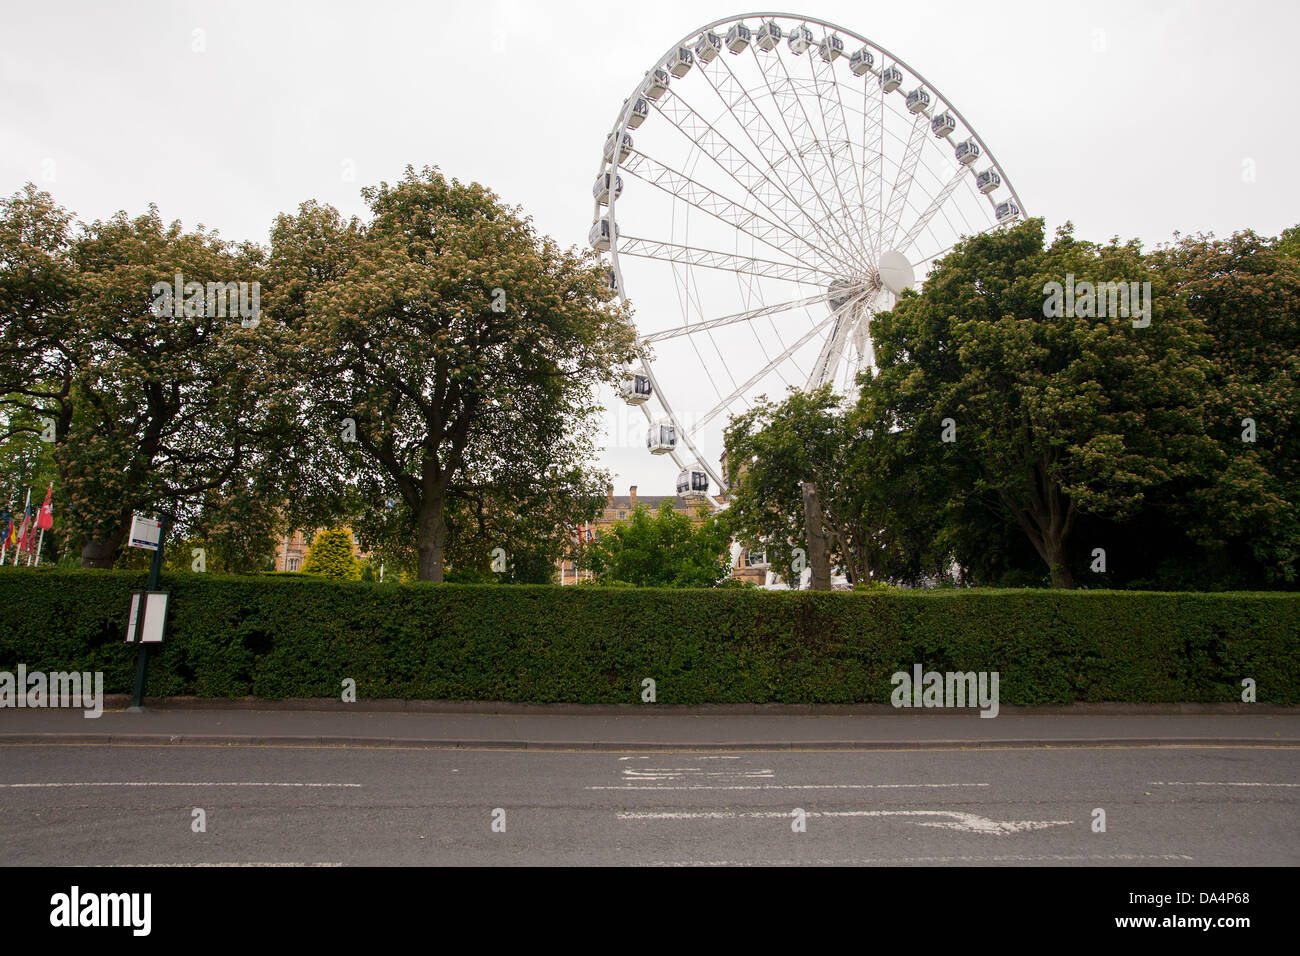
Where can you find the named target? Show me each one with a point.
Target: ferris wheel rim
(621, 123)
(613, 165)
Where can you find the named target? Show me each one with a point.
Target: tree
(155, 406)
(331, 556)
(1244, 508)
(446, 361)
(1049, 416)
(782, 461)
(807, 463)
(661, 549)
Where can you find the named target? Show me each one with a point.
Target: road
(86, 805)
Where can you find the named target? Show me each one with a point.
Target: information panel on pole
(155, 614)
(145, 532)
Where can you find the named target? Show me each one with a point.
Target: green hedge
(293, 636)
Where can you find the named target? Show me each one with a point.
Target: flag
(7, 530)
(23, 532)
(45, 520)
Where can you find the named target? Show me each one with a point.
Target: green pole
(142, 656)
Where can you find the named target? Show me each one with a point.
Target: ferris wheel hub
(895, 271)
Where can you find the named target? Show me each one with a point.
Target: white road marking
(676, 773)
(799, 786)
(1216, 783)
(928, 859)
(200, 865)
(967, 822)
(170, 783)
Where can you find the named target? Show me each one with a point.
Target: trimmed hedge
(295, 636)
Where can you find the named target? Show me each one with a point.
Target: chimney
(609, 496)
(632, 494)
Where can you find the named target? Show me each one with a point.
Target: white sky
(1130, 119)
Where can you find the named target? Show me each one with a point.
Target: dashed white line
(202, 865)
(894, 861)
(169, 783)
(796, 786)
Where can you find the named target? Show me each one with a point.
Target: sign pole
(142, 657)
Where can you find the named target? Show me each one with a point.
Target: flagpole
(29, 534)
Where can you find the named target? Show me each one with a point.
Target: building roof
(650, 501)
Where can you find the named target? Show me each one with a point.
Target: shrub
(331, 556)
(289, 635)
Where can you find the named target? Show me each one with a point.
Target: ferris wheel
(771, 184)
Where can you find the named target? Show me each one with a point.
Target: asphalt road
(87, 805)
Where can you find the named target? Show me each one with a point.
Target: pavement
(648, 728)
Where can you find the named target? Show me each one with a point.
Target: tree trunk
(102, 552)
(1055, 557)
(433, 538)
(819, 551)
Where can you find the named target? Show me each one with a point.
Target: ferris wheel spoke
(952, 245)
(873, 127)
(906, 173)
(752, 119)
(738, 317)
(824, 154)
(711, 259)
(732, 161)
(779, 236)
(839, 145)
(803, 137)
(935, 205)
(765, 371)
(847, 318)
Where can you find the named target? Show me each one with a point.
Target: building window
(622, 516)
(755, 559)
(293, 563)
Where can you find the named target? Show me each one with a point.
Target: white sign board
(145, 532)
(155, 613)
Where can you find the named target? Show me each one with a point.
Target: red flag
(45, 519)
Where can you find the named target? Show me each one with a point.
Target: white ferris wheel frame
(829, 352)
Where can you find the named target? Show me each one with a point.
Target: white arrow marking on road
(675, 773)
(1215, 783)
(967, 822)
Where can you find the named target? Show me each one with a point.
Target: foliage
(297, 636)
(470, 409)
(663, 548)
(1053, 416)
(151, 411)
(330, 556)
(1108, 447)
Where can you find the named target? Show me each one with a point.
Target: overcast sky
(1131, 119)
